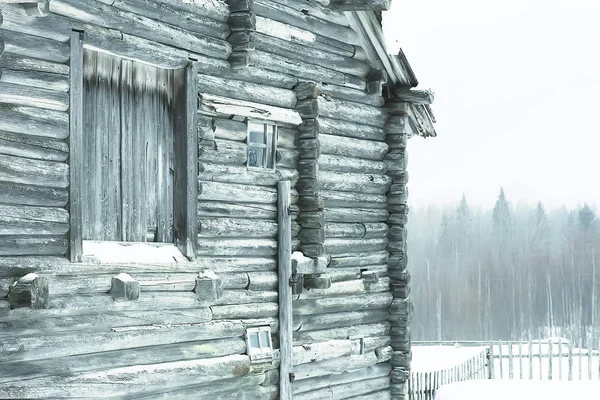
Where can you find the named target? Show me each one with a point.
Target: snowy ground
(519, 390)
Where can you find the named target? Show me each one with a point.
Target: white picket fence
(438, 363)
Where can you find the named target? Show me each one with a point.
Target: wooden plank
(76, 147)
(17, 63)
(30, 121)
(285, 291)
(242, 108)
(21, 194)
(14, 144)
(186, 163)
(22, 95)
(33, 245)
(28, 220)
(28, 172)
(30, 46)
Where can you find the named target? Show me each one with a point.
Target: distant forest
(510, 273)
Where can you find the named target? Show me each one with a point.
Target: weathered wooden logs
(209, 287)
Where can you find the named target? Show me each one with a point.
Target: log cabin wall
(88, 339)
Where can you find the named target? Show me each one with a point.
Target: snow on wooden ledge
(127, 252)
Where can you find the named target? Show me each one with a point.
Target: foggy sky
(517, 86)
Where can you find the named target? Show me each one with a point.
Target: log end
(31, 291)
(124, 287)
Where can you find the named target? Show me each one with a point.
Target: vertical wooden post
(284, 223)
(510, 359)
(185, 148)
(589, 355)
(579, 352)
(500, 360)
(530, 351)
(491, 361)
(520, 359)
(540, 357)
(76, 147)
(570, 360)
(550, 354)
(560, 357)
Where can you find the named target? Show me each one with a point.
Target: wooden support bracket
(31, 291)
(124, 287)
(209, 287)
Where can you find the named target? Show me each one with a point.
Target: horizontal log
(33, 245)
(236, 247)
(240, 90)
(32, 121)
(351, 147)
(240, 297)
(14, 62)
(317, 9)
(354, 112)
(262, 281)
(238, 264)
(339, 319)
(348, 129)
(354, 390)
(352, 182)
(248, 310)
(230, 129)
(41, 80)
(279, 12)
(304, 70)
(142, 379)
(363, 330)
(226, 106)
(14, 144)
(360, 5)
(241, 175)
(342, 246)
(14, 193)
(69, 366)
(287, 158)
(255, 74)
(343, 303)
(310, 385)
(171, 13)
(359, 259)
(224, 152)
(309, 53)
(217, 10)
(251, 386)
(328, 162)
(308, 265)
(234, 210)
(93, 12)
(226, 192)
(237, 228)
(350, 94)
(349, 273)
(355, 215)
(30, 46)
(20, 95)
(334, 199)
(356, 230)
(28, 172)
(337, 366)
(287, 137)
(28, 220)
(347, 288)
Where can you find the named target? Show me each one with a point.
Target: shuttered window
(128, 166)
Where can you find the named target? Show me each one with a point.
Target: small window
(262, 145)
(258, 342)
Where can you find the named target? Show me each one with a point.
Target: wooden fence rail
(550, 359)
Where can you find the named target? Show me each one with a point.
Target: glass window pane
(254, 340)
(255, 156)
(257, 137)
(265, 339)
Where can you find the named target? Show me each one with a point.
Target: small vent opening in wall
(259, 345)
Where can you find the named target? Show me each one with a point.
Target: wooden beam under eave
(360, 5)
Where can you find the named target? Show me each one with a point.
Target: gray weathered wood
(350, 129)
(14, 144)
(35, 47)
(31, 121)
(340, 304)
(226, 106)
(354, 112)
(33, 97)
(76, 147)
(241, 175)
(40, 173)
(43, 80)
(285, 292)
(237, 247)
(350, 147)
(28, 220)
(360, 5)
(13, 62)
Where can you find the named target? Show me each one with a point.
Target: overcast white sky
(517, 86)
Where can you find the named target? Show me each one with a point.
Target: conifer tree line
(509, 273)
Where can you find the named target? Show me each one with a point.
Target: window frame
(185, 148)
(271, 132)
(264, 352)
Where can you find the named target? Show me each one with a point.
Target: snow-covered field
(519, 390)
(539, 362)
